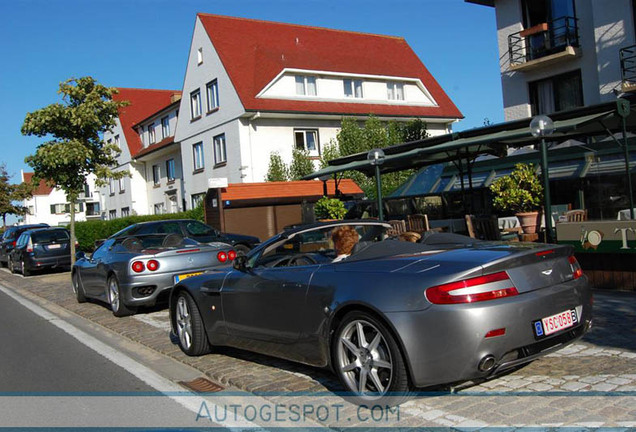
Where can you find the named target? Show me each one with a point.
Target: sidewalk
(593, 380)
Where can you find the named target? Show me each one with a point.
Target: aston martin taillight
(577, 271)
(477, 289)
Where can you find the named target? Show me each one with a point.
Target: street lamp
(541, 126)
(376, 158)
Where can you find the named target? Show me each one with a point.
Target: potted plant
(520, 193)
(329, 209)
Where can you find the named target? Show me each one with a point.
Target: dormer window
(353, 88)
(151, 133)
(306, 85)
(395, 91)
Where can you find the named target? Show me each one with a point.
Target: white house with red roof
(144, 132)
(255, 87)
(49, 205)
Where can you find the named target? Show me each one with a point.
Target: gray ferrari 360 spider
(394, 315)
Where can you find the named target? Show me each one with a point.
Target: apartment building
(557, 55)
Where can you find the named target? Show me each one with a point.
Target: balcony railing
(628, 68)
(543, 40)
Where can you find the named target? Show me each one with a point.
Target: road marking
(142, 372)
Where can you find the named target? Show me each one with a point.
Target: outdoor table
(624, 214)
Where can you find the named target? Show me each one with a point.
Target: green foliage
(89, 231)
(10, 194)
(301, 165)
(76, 148)
(329, 152)
(277, 170)
(352, 139)
(520, 191)
(329, 208)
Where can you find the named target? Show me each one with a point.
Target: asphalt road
(53, 374)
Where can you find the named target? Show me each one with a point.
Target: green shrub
(329, 208)
(90, 231)
(520, 191)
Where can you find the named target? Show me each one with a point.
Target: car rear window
(53, 236)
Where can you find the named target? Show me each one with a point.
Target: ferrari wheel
(368, 360)
(77, 289)
(189, 325)
(114, 298)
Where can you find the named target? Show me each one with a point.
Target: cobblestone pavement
(589, 384)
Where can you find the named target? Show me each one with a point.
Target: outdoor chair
(418, 223)
(398, 226)
(487, 228)
(578, 215)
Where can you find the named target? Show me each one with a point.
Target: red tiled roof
(143, 103)
(254, 52)
(292, 189)
(41, 189)
(156, 146)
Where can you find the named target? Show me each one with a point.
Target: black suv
(193, 229)
(10, 237)
(40, 249)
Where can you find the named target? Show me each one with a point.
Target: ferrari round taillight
(231, 255)
(221, 256)
(482, 288)
(138, 266)
(152, 265)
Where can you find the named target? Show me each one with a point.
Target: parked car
(128, 271)
(195, 230)
(10, 237)
(40, 249)
(394, 315)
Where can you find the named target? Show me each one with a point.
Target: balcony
(544, 44)
(628, 68)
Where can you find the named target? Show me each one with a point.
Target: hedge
(89, 231)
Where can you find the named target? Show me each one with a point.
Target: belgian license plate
(54, 246)
(181, 277)
(552, 324)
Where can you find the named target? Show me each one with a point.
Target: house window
(197, 155)
(353, 88)
(156, 175)
(197, 199)
(160, 208)
(151, 133)
(87, 191)
(125, 212)
(112, 214)
(111, 186)
(395, 91)
(200, 56)
(117, 143)
(219, 149)
(122, 185)
(165, 127)
(212, 91)
(195, 104)
(557, 93)
(307, 140)
(306, 85)
(92, 209)
(170, 173)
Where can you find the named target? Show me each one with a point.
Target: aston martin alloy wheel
(189, 326)
(114, 298)
(368, 360)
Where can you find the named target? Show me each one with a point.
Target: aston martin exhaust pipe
(487, 363)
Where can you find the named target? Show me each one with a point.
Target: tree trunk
(73, 200)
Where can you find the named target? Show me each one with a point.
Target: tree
(10, 193)
(352, 138)
(301, 165)
(75, 148)
(277, 170)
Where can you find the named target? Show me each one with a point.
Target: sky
(145, 43)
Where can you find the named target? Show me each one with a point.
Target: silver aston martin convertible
(393, 316)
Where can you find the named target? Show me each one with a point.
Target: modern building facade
(557, 55)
